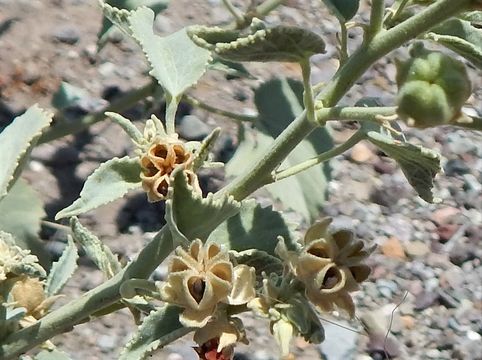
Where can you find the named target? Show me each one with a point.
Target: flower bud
(433, 87)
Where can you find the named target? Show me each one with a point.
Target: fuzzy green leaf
(62, 270)
(21, 212)
(419, 164)
(254, 227)
(279, 102)
(460, 36)
(95, 249)
(112, 180)
(177, 63)
(344, 10)
(158, 329)
(192, 215)
(261, 261)
(117, 11)
(16, 142)
(280, 43)
(52, 355)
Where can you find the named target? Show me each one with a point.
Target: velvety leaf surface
(176, 62)
(62, 270)
(160, 328)
(20, 214)
(95, 249)
(254, 227)
(112, 180)
(116, 12)
(280, 43)
(16, 141)
(193, 216)
(419, 164)
(460, 36)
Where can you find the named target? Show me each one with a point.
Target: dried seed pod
(201, 278)
(158, 163)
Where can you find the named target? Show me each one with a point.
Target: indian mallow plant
(229, 254)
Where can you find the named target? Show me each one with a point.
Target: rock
(444, 215)
(384, 166)
(416, 249)
(408, 322)
(446, 231)
(456, 167)
(386, 287)
(339, 344)
(174, 356)
(471, 184)
(425, 300)
(461, 253)
(107, 342)
(192, 128)
(67, 34)
(361, 153)
(393, 248)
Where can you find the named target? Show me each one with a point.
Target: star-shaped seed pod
(330, 265)
(203, 277)
(159, 156)
(225, 330)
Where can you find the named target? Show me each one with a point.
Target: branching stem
(67, 316)
(354, 139)
(376, 18)
(234, 116)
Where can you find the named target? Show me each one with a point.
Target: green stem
(398, 11)
(234, 116)
(266, 7)
(237, 15)
(343, 43)
(354, 139)
(172, 103)
(123, 103)
(357, 113)
(376, 18)
(67, 316)
(308, 99)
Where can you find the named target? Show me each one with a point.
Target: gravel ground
(424, 297)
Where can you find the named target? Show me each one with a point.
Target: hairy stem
(235, 12)
(308, 99)
(123, 103)
(234, 116)
(376, 18)
(352, 141)
(64, 318)
(343, 43)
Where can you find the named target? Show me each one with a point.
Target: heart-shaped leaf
(16, 141)
(160, 328)
(344, 10)
(460, 36)
(112, 180)
(280, 43)
(62, 270)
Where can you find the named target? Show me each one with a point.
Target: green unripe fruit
(433, 87)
